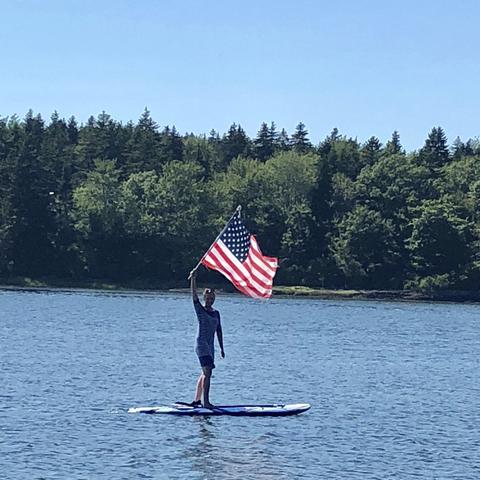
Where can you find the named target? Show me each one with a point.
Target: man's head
(209, 296)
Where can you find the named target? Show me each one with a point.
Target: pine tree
(214, 137)
(469, 150)
(171, 145)
(32, 249)
(460, 149)
(435, 151)
(283, 141)
(144, 151)
(370, 152)
(300, 141)
(235, 143)
(264, 142)
(72, 129)
(8, 143)
(58, 156)
(394, 146)
(273, 135)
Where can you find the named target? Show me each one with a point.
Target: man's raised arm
(193, 285)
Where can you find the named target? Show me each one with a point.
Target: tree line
(133, 201)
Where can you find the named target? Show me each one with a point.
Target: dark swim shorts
(206, 361)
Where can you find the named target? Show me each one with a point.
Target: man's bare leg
(207, 374)
(199, 391)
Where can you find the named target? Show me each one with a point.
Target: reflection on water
(203, 451)
(214, 457)
(393, 387)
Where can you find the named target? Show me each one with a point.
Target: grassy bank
(394, 295)
(295, 291)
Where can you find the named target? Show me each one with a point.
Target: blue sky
(365, 67)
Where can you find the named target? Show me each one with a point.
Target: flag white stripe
(249, 264)
(218, 263)
(240, 267)
(269, 266)
(236, 275)
(261, 265)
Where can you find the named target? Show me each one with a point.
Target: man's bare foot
(210, 406)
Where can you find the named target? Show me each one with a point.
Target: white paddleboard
(238, 410)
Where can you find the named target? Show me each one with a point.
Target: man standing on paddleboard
(208, 325)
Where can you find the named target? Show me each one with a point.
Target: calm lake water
(394, 388)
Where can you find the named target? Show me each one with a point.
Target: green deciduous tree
(440, 242)
(366, 250)
(99, 220)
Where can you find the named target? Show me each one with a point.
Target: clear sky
(365, 67)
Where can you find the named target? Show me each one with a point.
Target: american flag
(237, 256)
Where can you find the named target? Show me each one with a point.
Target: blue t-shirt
(208, 322)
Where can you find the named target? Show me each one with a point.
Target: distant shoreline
(26, 283)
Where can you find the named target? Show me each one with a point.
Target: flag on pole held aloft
(237, 256)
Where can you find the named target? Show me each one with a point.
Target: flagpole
(238, 209)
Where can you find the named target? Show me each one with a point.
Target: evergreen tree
(87, 149)
(460, 149)
(300, 142)
(171, 145)
(214, 137)
(144, 150)
(282, 142)
(32, 249)
(264, 142)
(72, 129)
(58, 157)
(370, 152)
(235, 143)
(6, 192)
(435, 151)
(273, 136)
(394, 146)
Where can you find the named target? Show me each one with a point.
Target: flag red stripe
(257, 264)
(219, 264)
(253, 261)
(235, 275)
(270, 264)
(256, 274)
(248, 274)
(238, 268)
(253, 277)
(214, 262)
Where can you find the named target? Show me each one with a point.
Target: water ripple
(394, 389)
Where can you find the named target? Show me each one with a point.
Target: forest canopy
(123, 201)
